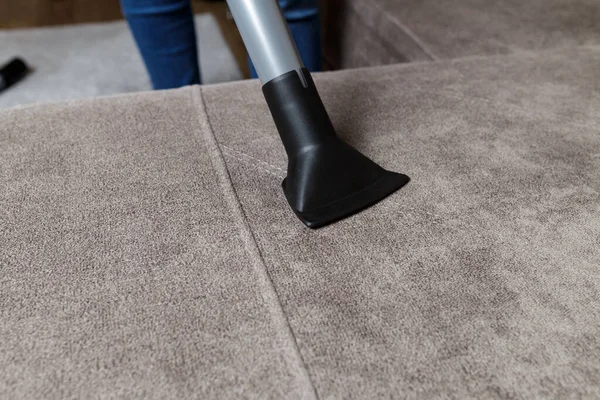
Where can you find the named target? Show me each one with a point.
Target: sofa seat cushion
(147, 250)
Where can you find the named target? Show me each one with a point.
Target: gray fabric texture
(125, 270)
(414, 30)
(89, 60)
(480, 278)
(147, 249)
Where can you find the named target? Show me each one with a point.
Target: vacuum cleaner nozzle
(327, 179)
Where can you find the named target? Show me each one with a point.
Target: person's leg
(302, 17)
(165, 34)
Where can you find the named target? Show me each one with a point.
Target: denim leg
(165, 34)
(302, 17)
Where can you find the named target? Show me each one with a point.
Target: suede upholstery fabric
(124, 271)
(415, 30)
(480, 278)
(147, 250)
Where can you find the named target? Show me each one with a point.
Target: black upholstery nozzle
(327, 179)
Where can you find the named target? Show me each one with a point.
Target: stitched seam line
(407, 32)
(255, 165)
(281, 324)
(253, 158)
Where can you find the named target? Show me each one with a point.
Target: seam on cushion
(408, 32)
(255, 165)
(249, 156)
(269, 294)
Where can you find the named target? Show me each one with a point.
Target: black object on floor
(12, 72)
(327, 179)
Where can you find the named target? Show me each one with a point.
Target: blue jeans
(165, 34)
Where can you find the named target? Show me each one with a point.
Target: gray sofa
(363, 33)
(147, 250)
